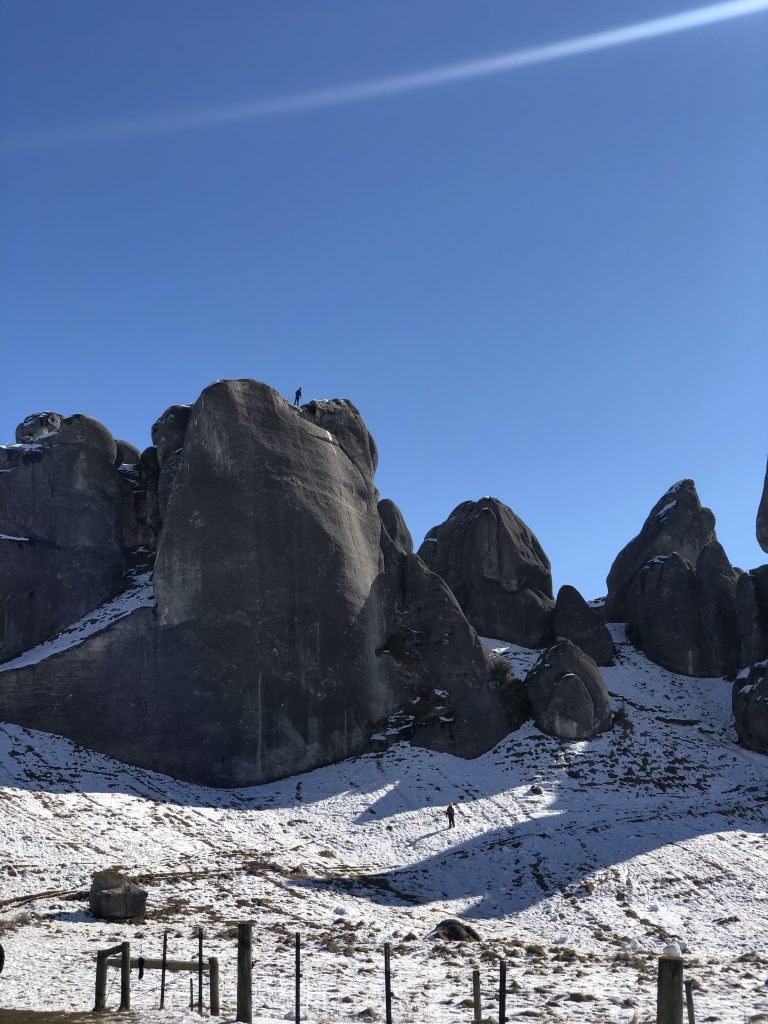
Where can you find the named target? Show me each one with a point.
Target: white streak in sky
(397, 84)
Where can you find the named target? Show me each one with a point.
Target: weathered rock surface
(752, 613)
(291, 612)
(575, 620)
(65, 526)
(453, 930)
(115, 897)
(497, 569)
(684, 616)
(678, 524)
(762, 516)
(567, 693)
(750, 707)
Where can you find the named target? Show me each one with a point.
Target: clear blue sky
(549, 285)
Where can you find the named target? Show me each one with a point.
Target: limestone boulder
(567, 693)
(114, 897)
(677, 523)
(497, 569)
(577, 622)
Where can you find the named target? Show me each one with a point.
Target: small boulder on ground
(567, 693)
(750, 707)
(115, 897)
(454, 930)
(575, 620)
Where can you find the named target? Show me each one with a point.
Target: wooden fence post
(669, 993)
(689, 1001)
(101, 982)
(125, 976)
(502, 991)
(244, 981)
(297, 1013)
(476, 996)
(387, 985)
(163, 970)
(200, 971)
(213, 978)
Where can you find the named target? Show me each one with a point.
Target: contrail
(398, 84)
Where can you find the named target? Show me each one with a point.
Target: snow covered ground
(577, 862)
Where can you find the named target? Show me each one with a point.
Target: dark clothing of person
(451, 815)
(297, 397)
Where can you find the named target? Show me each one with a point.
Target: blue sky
(548, 285)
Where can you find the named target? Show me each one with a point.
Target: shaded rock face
(115, 897)
(750, 707)
(678, 524)
(567, 693)
(68, 526)
(575, 620)
(497, 569)
(762, 517)
(752, 613)
(291, 614)
(684, 616)
(453, 930)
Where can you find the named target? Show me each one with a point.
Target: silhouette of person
(450, 813)
(297, 396)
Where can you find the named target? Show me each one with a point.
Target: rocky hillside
(236, 604)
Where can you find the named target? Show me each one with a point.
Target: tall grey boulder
(752, 613)
(762, 516)
(750, 707)
(64, 527)
(677, 523)
(575, 620)
(497, 569)
(684, 616)
(568, 695)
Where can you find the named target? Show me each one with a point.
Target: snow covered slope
(578, 862)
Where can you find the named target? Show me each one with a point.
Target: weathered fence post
(200, 971)
(125, 976)
(502, 991)
(191, 994)
(244, 982)
(387, 985)
(163, 970)
(101, 982)
(213, 978)
(689, 1001)
(476, 996)
(669, 993)
(298, 979)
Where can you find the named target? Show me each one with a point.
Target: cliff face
(288, 615)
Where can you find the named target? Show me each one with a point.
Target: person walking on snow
(297, 396)
(450, 813)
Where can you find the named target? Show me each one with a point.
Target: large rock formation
(497, 569)
(568, 695)
(750, 707)
(762, 516)
(575, 620)
(291, 614)
(677, 523)
(70, 524)
(752, 612)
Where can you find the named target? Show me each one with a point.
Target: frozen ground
(578, 862)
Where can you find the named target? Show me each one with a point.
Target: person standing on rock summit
(297, 396)
(450, 813)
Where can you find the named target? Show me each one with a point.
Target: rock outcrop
(115, 897)
(750, 707)
(677, 524)
(69, 527)
(291, 613)
(575, 620)
(752, 614)
(567, 693)
(762, 517)
(497, 569)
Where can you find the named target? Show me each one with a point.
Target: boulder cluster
(288, 620)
